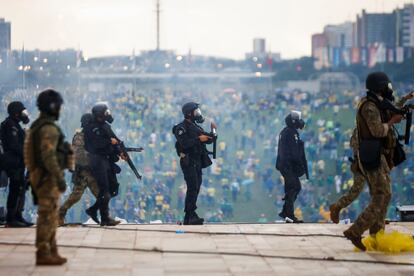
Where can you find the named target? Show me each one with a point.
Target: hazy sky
(214, 27)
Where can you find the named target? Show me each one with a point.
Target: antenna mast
(158, 11)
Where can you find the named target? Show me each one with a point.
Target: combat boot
(193, 219)
(12, 220)
(20, 218)
(15, 224)
(93, 213)
(334, 213)
(109, 222)
(55, 254)
(282, 215)
(355, 239)
(196, 215)
(296, 220)
(48, 259)
(28, 223)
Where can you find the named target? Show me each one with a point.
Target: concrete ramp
(215, 249)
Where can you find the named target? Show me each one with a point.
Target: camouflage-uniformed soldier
(359, 179)
(374, 124)
(357, 187)
(46, 155)
(82, 177)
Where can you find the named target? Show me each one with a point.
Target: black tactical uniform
(291, 163)
(193, 158)
(98, 136)
(12, 136)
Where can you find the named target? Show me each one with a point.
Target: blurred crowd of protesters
(242, 184)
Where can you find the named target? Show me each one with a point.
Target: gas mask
(54, 110)
(294, 120)
(388, 94)
(300, 124)
(197, 116)
(108, 116)
(24, 116)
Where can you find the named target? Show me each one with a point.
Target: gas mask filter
(24, 117)
(198, 116)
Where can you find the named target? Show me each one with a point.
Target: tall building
(377, 28)
(259, 46)
(373, 39)
(320, 50)
(260, 58)
(5, 35)
(318, 41)
(340, 35)
(405, 25)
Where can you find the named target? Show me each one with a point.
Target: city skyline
(113, 29)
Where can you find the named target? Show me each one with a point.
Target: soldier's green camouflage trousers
(47, 221)
(373, 217)
(82, 179)
(349, 197)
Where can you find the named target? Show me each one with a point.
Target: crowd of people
(242, 184)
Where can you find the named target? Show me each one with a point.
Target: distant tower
(259, 46)
(158, 11)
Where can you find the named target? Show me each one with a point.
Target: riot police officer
(99, 142)
(12, 136)
(191, 148)
(291, 162)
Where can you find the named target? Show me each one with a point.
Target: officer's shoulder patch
(180, 130)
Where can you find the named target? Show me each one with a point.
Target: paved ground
(225, 249)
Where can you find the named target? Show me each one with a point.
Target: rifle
(124, 151)
(406, 112)
(409, 120)
(214, 131)
(213, 134)
(140, 149)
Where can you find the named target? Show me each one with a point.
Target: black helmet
(49, 102)
(377, 82)
(189, 107)
(17, 108)
(188, 111)
(101, 111)
(294, 120)
(86, 119)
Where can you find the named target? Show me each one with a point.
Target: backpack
(178, 148)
